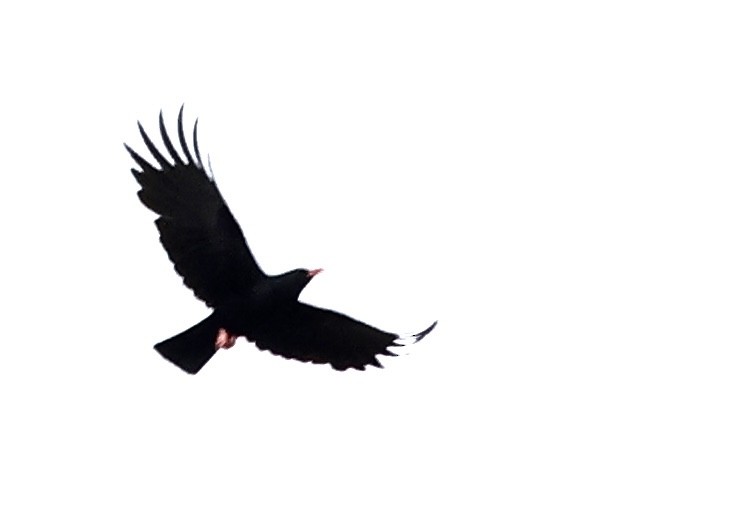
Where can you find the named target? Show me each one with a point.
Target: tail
(193, 348)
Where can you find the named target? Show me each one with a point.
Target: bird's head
(305, 275)
(292, 283)
(308, 275)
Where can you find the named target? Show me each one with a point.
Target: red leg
(224, 339)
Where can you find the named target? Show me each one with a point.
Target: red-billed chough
(209, 251)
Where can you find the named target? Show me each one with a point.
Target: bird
(209, 251)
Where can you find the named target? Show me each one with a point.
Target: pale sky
(553, 182)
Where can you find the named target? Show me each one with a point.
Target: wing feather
(182, 139)
(167, 141)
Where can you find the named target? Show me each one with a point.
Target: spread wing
(317, 335)
(198, 231)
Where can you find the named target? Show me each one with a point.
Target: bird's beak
(314, 272)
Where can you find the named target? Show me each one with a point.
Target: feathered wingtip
(161, 160)
(424, 333)
(400, 343)
(414, 338)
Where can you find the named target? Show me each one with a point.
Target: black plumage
(210, 253)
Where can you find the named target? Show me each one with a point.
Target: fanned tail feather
(193, 348)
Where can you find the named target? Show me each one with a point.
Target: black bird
(209, 251)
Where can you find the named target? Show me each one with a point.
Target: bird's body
(264, 304)
(209, 251)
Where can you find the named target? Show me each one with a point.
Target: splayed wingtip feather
(163, 163)
(196, 144)
(182, 138)
(167, 141)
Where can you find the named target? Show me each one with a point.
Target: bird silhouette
(208, 250)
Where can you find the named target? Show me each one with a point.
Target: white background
(553, 181)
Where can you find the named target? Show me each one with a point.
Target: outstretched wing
(197, 229)
(317, 335)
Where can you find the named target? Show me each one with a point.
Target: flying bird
(208, 250)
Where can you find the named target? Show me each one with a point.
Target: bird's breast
(247, 313)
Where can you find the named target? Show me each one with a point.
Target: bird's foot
(224, 339)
